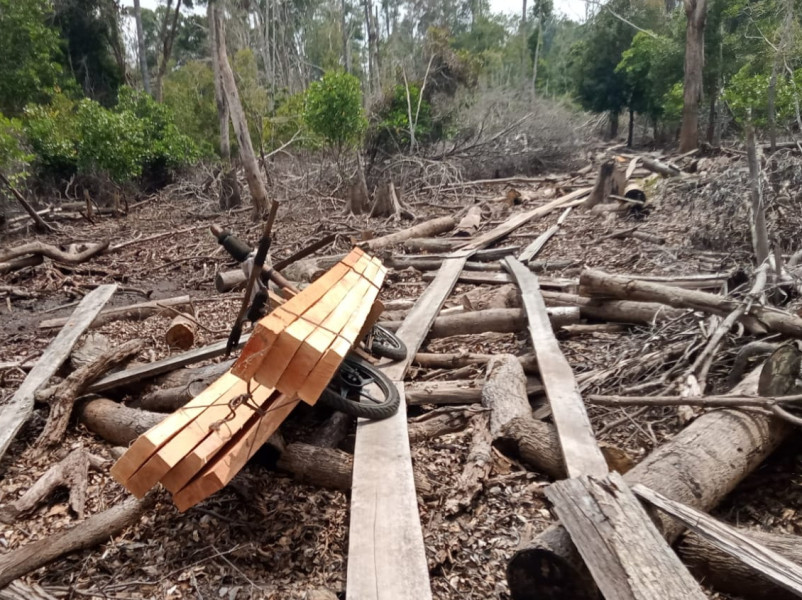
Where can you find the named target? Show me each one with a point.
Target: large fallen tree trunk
(425, 229)
(599, 284)
(727, 574)
(700, 466)
(115, 422)
(620, 311)
(140, 311)
(499, 320)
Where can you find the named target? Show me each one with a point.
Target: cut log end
(540, 574)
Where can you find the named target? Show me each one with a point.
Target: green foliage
(393, 118)
(29, 51)
(747, 93)
(14, 157)
(334, 109)
(287, 121)
(137, 136)
(189, 94)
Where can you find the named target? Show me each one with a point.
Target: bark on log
(115, 422)
(477, 467)
(85, 534)
(620, 311)
(185, 376)
(700, 466)
(94, 346)
(20, 263)
(334, 430)
(499, 320)
(609, 181)
(181, 332)
(171, 399)
(456, 361)
(505, 296)
(426, 244)
(54, 253)
(656, 166)
(726, 574)
(140, 311)
(437, 425)
(425, 229)
(226, 281)
(66, 393)
(456, 392)
(599, 284)
(470, 223)
(330, 468)
(504, 392)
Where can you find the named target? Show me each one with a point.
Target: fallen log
(88, 533)
(656, 166)
(470, 223)
(481, 298)
(620, 311)
(499, 320)
(40, 224)
(171, 399)
(54, 253)
(465, 391)
(140, 311)
(729, 575)
(456, 361)
(20, 263)
(439, 424)
(432, 244)
(66, 392)
(480, 278)
(332, 469)
(225, 281)
(181, 332)
(14, 412)
(115, 422)
(180, 377)
(425, 229)
(600, 284)
(698, 467)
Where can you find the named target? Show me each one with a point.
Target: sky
(571, 8)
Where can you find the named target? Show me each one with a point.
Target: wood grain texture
(17, 409)
(626, 554)
(580, 450)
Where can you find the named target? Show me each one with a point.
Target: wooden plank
(230, 461)
(768, 563)
(191, 464)
(191, 434)
(17, 409)
(580, 451)
(386, 557)
(513, 223)
(621, 546)
(491, 278)
(153, 439)
(532, 250)
(165, 365)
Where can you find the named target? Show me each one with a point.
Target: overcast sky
(571, 8)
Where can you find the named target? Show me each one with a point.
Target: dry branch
(140, 311)
(425, 229)
(54, 253)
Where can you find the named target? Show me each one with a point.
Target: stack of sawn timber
(199, 449)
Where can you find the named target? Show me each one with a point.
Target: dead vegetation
(481, 471)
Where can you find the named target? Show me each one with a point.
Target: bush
(334, 111)
(14, 158)
(109, 143)
(747, 92)
(393, 119)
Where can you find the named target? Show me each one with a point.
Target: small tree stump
(181, 333)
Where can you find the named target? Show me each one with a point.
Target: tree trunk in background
(537, 56)
(771, 103)
(523, 41)
(140, 47)
(631, 133)
(757, 225)
(613, 125)
(255, 183)
(346, 38)
(696, 11)
(373, 50)
(230, 196)
(167, 46)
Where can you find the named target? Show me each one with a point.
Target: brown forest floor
(267, 536)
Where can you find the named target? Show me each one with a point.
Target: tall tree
(696, 12)
(252, 174)
(140, 46)
(168, 33)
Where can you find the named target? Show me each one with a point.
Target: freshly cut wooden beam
(516, 221)
(132, 311)
(600, 284)
(540, 242)
(771, 565)
(425, 229)
(15, 411)
(618, 541)
(499, 320)
(580, 450)
(229, 461)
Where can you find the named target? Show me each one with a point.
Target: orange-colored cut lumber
(153, 439)
(233, 457)
(217, 437)
(313, 348)
(185, 441)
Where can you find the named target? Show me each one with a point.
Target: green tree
(30, 51)
(334, 110)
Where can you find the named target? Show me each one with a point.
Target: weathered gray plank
(624, 551)
(15, 412)
(768, 563)
(581, 453)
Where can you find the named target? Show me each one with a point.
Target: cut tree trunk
(609, 181)
(226, 281)
(88, 533)
(499, 320)
(698, 467)
(600, 284)
(115, 422)
(139, 312)
(425, 229)
(729, 575)
(181, 332)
